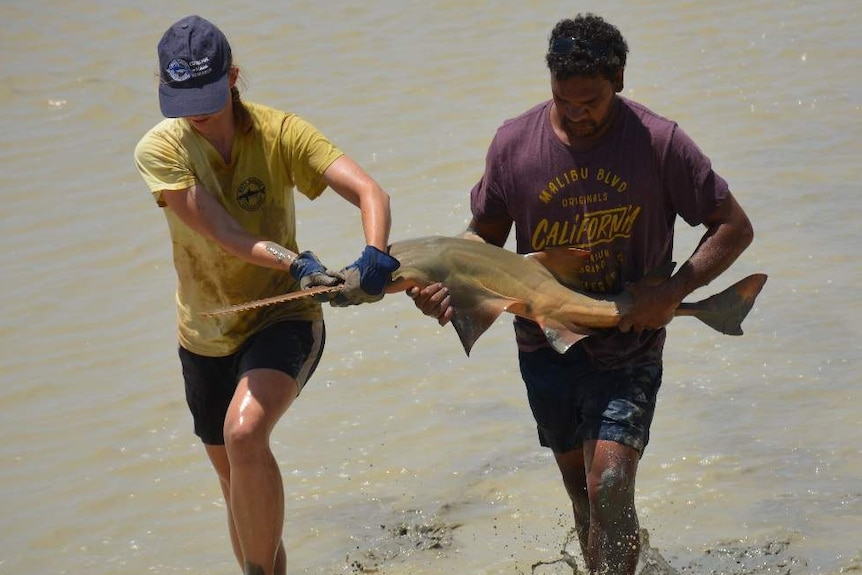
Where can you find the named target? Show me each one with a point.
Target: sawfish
(485, 280)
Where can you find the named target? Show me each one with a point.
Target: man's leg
(614, 543)
(256, 497)
(600, 482)
(571, 464)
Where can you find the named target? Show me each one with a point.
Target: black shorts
(292, 347)
(573, 402)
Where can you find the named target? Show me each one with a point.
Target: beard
(583, 129)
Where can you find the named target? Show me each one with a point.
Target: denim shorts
(293, 347)
(573, 401)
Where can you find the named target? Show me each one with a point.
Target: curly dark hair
(586, 46)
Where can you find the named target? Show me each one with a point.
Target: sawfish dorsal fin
(565, 264)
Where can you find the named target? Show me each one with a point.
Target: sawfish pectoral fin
(474, 319)
(725, 311)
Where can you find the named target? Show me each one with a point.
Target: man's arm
(729, 232)
(495, 232)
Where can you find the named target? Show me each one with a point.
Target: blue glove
(366, 278)
(309, 272)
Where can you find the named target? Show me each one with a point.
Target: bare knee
(610, 480)
(245, 441)
(612, 486)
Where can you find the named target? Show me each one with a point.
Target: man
(224, 171)
(593, 170)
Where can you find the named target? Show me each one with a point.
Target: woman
(224, 171)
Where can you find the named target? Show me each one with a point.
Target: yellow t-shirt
(280, 153)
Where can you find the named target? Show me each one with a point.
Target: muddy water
(402, 455)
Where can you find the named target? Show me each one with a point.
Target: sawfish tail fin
(725, 311)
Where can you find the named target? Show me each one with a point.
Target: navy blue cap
(194, 62)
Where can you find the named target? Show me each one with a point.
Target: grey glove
(365, 279)
(308, 270)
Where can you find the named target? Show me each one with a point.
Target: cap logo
(179, 70)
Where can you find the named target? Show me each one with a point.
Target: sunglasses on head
(593, 49)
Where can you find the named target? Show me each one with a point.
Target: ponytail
(241, 116)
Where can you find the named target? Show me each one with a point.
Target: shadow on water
(412, 536)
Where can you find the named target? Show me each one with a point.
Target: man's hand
(653, 306)
(433, 300)
(308, 270)
(366, 279)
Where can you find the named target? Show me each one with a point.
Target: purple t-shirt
(618, 200)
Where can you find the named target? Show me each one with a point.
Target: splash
(400, 540)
